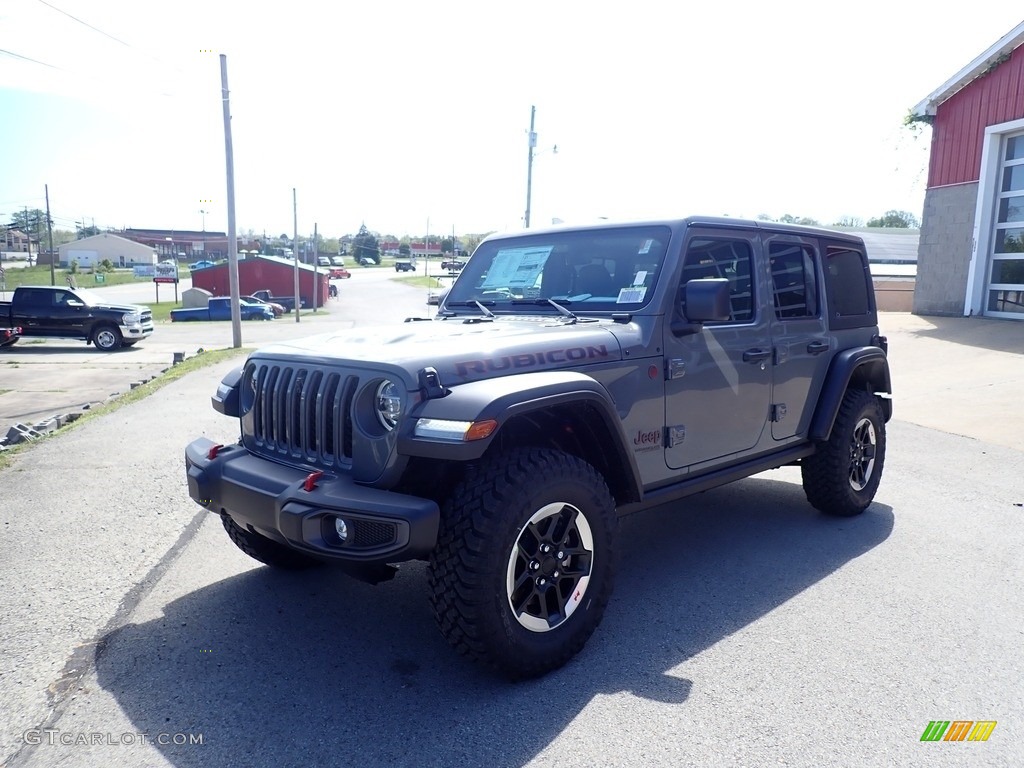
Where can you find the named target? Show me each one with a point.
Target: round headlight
(389, 404)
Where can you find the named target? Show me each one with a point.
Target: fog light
(341, 528)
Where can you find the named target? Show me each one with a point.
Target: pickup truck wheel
(266, 551)
(525, 561)
(106, 338)
(842, 477)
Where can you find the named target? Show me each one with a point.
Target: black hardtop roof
(693, 221)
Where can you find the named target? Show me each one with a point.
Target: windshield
(612, 269)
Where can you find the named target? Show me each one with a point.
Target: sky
(412, 118)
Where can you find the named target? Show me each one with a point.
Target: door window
(731, 259)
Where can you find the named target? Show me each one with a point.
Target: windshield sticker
(632, 295)
(641, 277)
(516, 268)
(646, 247)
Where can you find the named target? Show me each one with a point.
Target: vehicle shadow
(24, 347)
(981, 332)
(317, 669)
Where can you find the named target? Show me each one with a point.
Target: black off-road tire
(266, 551)
(841, 478)
(525, 561)
(106, 338)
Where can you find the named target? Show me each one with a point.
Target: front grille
(302, 413)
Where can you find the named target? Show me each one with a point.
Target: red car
(339, 273)
(277, 309)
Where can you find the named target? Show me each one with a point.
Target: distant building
(971, 256)
(422, 249)
(186, 245)
(16, 240)
(119, 251)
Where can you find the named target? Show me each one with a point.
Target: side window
(849, 291)
(730, 259)
(794, 280)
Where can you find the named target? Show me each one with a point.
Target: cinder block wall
(944, 252)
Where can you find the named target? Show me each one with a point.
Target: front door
(718, 380)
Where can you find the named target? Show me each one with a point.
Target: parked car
(9, 336)
(278, 309)
(366, 261)
(201, 265)
(288, 302)
(453, 265)
(323, 261)
(219, 308)
(337, 261)
(405, 265)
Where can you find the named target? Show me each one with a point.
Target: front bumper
(135, 332)
(270, 499)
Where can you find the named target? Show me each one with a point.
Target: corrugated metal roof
(1007, 43)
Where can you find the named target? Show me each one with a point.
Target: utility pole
(316, 268)
(236, 309)
(295, 251)
(532, 144)
(49, 230)
(28, 234)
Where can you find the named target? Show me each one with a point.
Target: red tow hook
(311, 479)
(214, 450)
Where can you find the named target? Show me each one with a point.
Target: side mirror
(707, 300)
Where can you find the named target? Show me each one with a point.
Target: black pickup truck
(44, 311)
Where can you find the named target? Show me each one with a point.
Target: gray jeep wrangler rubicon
(571, 376)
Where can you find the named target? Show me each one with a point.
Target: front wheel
(525, 561)
(107, 338)
(842, 477)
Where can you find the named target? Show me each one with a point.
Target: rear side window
(850, 294)
(794, 280)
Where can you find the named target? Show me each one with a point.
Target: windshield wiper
(481, 305)
(559, 305)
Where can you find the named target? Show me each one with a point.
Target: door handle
(756, 355)
(817, 347)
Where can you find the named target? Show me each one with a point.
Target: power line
(28, 58)
(87, 24)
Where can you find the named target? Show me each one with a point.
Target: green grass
(83, 279)
(204, 360)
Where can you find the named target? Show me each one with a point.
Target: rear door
(718, 380)
(801, 348)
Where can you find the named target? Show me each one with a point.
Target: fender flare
(868, 363)
(507, 397)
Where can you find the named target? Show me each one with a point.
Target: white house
(120, 251)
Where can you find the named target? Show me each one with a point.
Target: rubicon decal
(958, 730)
(531, 359)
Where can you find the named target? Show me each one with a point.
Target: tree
(81, 230)
(447, 246)
(849, 221)
(404, 249)
(365, 246)
(896, 219)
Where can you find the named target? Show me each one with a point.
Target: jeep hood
(460, 350)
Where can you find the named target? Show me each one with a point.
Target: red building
(971, 254)
(265, 273)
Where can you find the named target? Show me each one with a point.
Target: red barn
(971, 254)
(259, 273)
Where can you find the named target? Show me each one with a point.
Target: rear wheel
(842, 477)
(107, 338)
(525, 561)
(266, 551)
